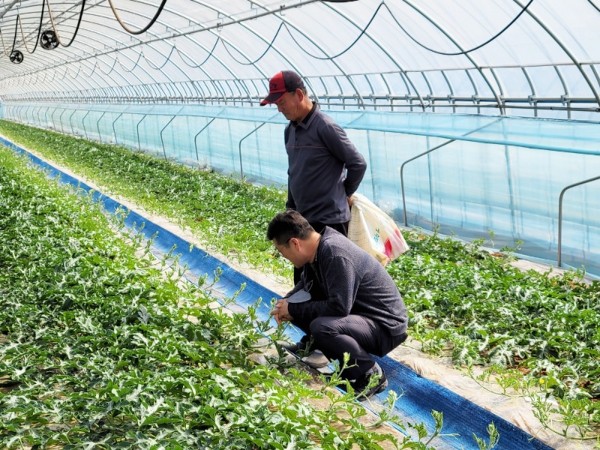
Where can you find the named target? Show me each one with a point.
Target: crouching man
(345, 301)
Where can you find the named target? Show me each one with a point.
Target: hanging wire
(130, 30)
(594, 5)
(269, 45)
(39, 32)
(197, 66)
(113, 66)
(134, 65)
(163, 64)
(361, 34)
(463, 52)
(54, 25)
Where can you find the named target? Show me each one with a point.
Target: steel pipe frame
(560, 215)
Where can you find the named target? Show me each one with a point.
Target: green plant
(463, 302)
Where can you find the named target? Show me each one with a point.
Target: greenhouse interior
(140, 172)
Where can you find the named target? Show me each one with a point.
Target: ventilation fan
(48, 40)
(16, 57)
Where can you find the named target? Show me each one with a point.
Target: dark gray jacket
(324, 168)
(351, 282)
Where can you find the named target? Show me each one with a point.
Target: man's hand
(280, 311)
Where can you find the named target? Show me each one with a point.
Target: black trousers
(356, 335)
(319, 226)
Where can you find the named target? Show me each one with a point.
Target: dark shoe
(371, 383)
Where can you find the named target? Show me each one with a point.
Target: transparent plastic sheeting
(478, 177)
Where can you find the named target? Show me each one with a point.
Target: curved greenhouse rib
(560, 215)
(271, 43)
(567, 51)
(363, 31)
(406, 79)
(499, 101)
(83, 58)
(167, 59)
(253, 62)
(130, 30)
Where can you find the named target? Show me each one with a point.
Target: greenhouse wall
(529, 185)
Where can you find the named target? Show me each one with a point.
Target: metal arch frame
(70, 81)
(150, 41)
(595, 72)
(49, 15)
(475, 90)
(564, 48)
(186, 34)
(382, 48)
(531, 89)
(249, 29)
(63, 64)
(22, 81)
(450, 88)
(565, 87)
(428, 97)
(479, 68)
(97, 57)
(560, 214)
(368, 80)
(246, 83)
(308, 38)
(404, 78)
(136, 65)
(74, 82)
(386, 84)
(425, 76)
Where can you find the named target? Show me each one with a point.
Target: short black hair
(286, 225)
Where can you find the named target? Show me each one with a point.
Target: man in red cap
(324, 167)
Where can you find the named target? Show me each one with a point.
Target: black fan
(48, 40)
(16, 57)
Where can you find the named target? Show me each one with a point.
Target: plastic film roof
(514, 57)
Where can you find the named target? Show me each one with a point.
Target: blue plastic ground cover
(419, 396)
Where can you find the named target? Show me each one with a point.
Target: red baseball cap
(280, 83)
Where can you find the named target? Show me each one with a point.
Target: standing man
(345, 301)
(324, 167)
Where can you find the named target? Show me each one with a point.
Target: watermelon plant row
(101, 347)
(534, 333)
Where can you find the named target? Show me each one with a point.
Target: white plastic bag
(374, 231)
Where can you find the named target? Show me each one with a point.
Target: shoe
(365, 388)
(307, 354)
(295, 348)
(316, 360)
